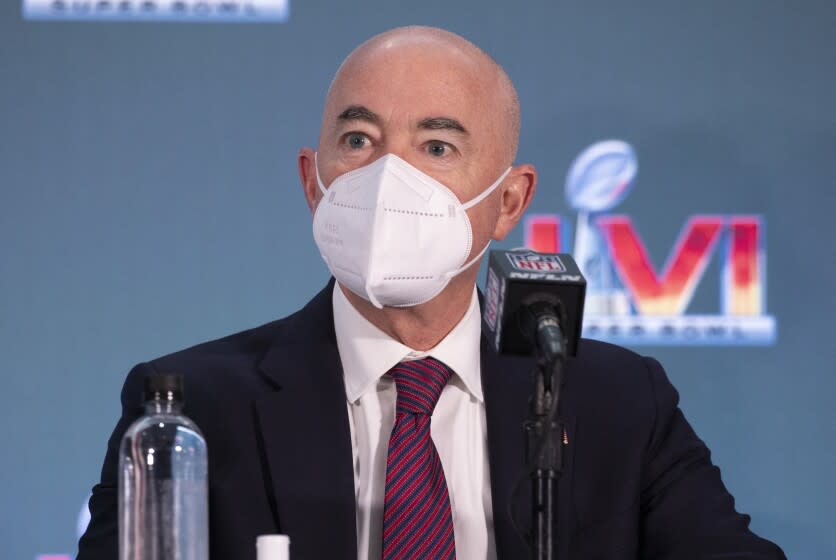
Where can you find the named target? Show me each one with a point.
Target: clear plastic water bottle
(163, 492)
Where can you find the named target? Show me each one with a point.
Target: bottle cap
(158, 386)
(272, 547)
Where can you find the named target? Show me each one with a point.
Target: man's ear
(517, 191)
(306, 164)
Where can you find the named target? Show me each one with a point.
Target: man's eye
(356, 140)
(437, 149)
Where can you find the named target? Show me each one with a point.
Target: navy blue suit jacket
(637, 482)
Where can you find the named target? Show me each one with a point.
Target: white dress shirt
(457, 427)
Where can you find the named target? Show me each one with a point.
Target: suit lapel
(305, 436)
(507, 383)
(506, 403)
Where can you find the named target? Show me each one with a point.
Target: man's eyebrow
(359, 113)
(442, 123)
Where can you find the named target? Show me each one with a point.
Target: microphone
(533, 303)
(534, 306)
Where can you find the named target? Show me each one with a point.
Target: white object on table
(272, 547)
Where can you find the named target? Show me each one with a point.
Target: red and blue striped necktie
(417, 518)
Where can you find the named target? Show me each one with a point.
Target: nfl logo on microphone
(530, 261)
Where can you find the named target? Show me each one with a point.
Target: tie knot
(419, 384)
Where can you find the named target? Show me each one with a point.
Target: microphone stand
(543, 441)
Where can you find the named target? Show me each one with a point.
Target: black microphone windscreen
(514, 278)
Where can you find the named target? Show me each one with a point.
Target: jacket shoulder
(610, 362)
(233, 358)
(610, 381)
(231, 363)
(244, 346)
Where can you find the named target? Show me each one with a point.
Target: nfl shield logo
(529, 261)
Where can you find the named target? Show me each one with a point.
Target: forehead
(407, 83)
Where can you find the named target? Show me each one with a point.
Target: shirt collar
(367, 353)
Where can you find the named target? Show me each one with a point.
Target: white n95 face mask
(392, 234)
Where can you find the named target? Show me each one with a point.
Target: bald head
(447, 109)
(418, 53)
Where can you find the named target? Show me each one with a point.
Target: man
(376, 422)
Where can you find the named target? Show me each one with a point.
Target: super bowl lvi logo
(629, 300)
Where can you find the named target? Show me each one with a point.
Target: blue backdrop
(149, 201)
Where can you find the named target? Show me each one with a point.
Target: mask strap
(469, 263)
(370, 294)
(480, 197)
(470, 204)
(318, 180)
